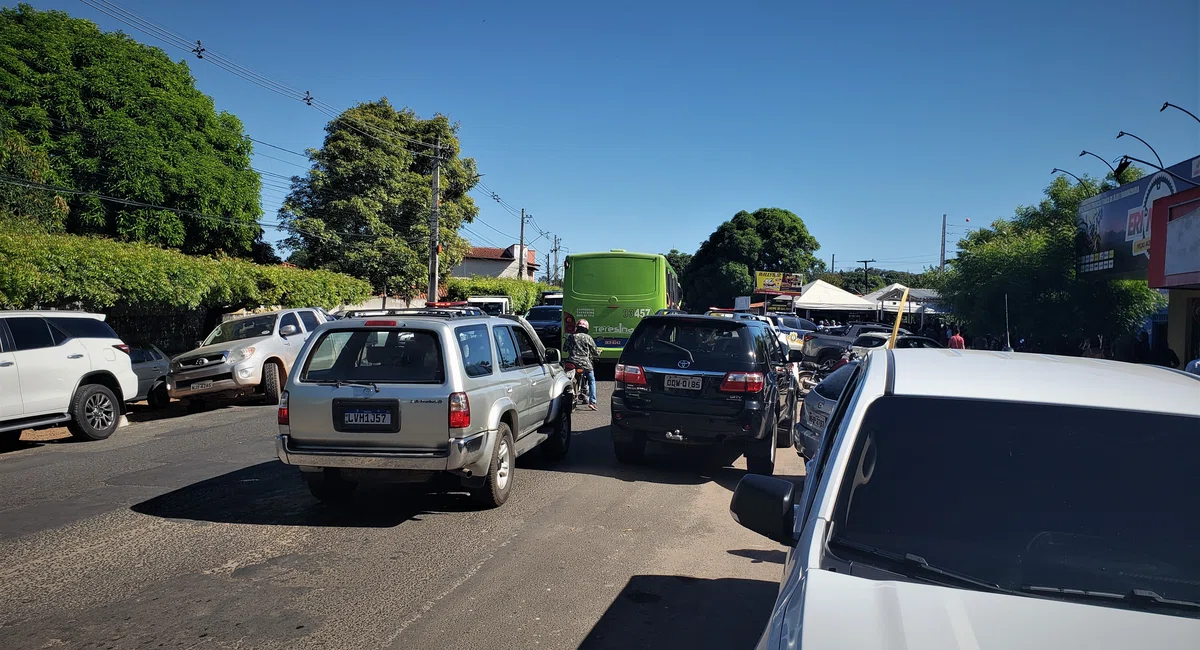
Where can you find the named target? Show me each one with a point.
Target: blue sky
(644, 125)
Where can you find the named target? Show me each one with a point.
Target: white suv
(62, 367)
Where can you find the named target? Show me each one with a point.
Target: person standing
(582, 351)
(957, 342)
(1193, 366)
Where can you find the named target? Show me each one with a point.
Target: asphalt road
(186, 532)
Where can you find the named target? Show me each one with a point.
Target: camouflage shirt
(581, 349)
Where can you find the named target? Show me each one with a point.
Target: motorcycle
(812, 374)
(577, 380)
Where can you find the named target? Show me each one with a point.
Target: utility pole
(833, 263)
(521, 249)
(557, 242)
(548, 268)
(435, 203)
(866, 274)
(942, 266)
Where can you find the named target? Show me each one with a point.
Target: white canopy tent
(818, 295)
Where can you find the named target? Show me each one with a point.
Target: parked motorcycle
(812, 374)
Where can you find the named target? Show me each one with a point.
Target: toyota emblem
(685, 363)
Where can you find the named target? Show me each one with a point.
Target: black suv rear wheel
(760, 454)
(630, 451)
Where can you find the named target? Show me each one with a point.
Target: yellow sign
(782, 283)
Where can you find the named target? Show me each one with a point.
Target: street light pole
(1127, 160)
(1156, 156)
(1086, 152)
(1180, 108)
(1056, 170)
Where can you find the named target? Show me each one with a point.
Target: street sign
(779, 283)
(741, 303)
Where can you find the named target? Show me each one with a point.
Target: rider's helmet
(582, 325)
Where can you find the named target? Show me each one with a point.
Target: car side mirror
(553, 356)
(764, 505)
(288, 330)
(795, 356)
(198, 344)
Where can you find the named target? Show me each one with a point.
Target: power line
(275, 146)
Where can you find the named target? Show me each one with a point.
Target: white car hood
(842, 611)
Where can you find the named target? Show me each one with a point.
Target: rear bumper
(685, 428)
(460, 454)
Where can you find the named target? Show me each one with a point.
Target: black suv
(704, 380)
(547, 322)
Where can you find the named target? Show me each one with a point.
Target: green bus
(614, 291)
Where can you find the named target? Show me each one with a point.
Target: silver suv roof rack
(439, 312)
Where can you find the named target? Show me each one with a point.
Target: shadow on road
(677, 612)
(273, 494)
(759, 556)
(591, 453)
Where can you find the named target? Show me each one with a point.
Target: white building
(496, 263)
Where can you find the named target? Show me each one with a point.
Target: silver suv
(416, 393)
(250, 354)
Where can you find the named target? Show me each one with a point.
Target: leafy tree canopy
(769, 239)
(1031, 259)
(115, 117)
(363, 208)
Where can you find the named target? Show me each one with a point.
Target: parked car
(152, 368)
(970, 499)
(793, 327)
(820, 347)
(62, 367)
(492, 305)
(703, 380)
(815, 409)
(871, 340)
(547, 322)
(246, 355)
(412, 397)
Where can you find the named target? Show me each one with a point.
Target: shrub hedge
(57, 271)
(522, 293)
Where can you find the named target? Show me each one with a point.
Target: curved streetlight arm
(1159, 158)
(1085, 151)
(1056, 170)
(1179, 108)
(1125, 160)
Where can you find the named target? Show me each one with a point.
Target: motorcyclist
(581, 350)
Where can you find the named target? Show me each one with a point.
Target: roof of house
(1045, 379)
(502, 254)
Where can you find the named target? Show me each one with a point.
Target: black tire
(497, 485)
(760, 455)
(158, 397)
(783, 431)
(271, 383)
(630, 452)
(827, 356)
(329, 486)
(559, 443)
(95, 412)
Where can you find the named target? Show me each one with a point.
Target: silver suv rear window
(402, 356)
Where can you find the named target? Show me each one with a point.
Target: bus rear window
(614, 277)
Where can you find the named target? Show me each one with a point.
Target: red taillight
(460, 411)
(742, 382)
(808, 337)
(568, 366)
(122, 347)
(631, 375)
(282, 417)
(380, 323)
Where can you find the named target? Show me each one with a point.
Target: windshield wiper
(1143, 599)
(915, 566)
(677, 347)
(351, 384)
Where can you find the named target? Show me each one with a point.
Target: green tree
(119, 118)
(363, 208)
(769, 239)
(679, 261)
(1031, 259)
